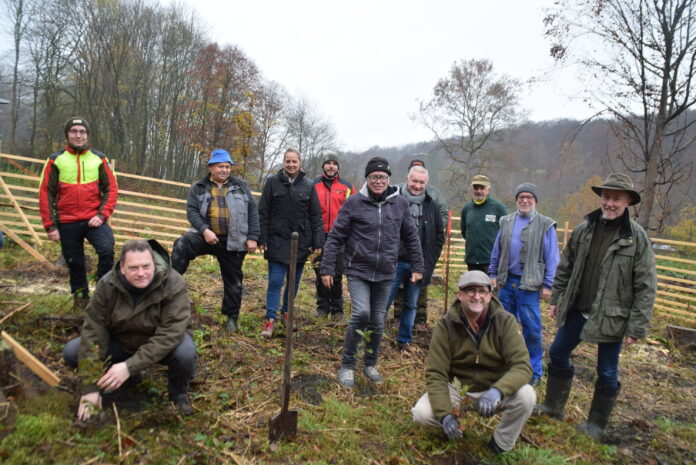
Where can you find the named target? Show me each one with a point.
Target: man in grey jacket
(225, 223)
(603, 293)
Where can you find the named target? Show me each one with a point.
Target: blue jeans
(368, 307)
(568, 337)
(278, 274)
(524, 305)
(411, 293)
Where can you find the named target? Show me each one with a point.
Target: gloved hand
(450, 426)
(488, 402)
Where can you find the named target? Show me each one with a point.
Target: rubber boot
(602, 404)
(558, 386)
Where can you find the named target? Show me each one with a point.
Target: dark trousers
(478, 266)
(72, 241)
(181, 362)
(191, 245)
(567, 339)
(329, 300)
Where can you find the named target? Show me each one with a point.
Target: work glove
(488, 402)
(450, 426)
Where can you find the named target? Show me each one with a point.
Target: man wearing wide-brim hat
(603, 293)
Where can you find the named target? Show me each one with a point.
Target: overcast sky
(365, 64)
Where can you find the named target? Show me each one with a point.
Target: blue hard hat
(220, 156)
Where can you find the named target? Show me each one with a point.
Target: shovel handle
(292, 272)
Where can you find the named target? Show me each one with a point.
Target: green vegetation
(237, 389)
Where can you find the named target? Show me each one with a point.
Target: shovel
(284, 424)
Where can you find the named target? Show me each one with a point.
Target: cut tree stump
(681, 336)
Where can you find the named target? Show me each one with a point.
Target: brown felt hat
(619, 182)
(481, 180)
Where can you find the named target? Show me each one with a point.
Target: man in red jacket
(77, 195)
(332, 192)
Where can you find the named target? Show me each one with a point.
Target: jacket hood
(162, 264)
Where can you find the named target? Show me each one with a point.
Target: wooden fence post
(30, 228)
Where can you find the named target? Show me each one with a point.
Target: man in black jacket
(288, 203)
(225, 223)
(426, 216)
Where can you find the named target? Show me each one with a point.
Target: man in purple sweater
(523, 263)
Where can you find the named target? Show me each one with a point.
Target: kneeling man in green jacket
(138, 317)
(480, 344)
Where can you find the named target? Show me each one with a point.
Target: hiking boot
(373, 375)
(268, 328)
(321, 313)
(183, 405)
(231, 325)
(405, 347)
(346, 377)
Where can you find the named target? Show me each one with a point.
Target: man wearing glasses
(77, 195)
(370, 227)
(477, 343)
(480, 223)
(523, 264)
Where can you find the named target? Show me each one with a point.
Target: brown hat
(474, 278)
(619, 182)
(481, 180)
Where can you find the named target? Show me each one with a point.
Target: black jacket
(371, 232)
(432, 238)
(286, 207)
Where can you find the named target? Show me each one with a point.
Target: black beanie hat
(377, 164)
(75, 121)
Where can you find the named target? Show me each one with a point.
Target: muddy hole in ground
(310, 386)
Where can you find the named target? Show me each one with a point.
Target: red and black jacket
(332, 193)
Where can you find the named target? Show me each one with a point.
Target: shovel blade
(283, 425)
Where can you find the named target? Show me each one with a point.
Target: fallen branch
(28, 248)
(7, 317)
(118, 434)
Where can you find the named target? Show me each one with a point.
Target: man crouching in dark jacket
(370, 225)
(137, 317)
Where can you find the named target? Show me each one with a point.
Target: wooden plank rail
(164, 220)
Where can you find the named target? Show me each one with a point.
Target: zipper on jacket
(379, 239)
(80, 171)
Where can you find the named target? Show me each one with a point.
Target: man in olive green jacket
(603, 293)
(137, 317)
(480, 345)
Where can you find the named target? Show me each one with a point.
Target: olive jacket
(497, 358)
(625, 296)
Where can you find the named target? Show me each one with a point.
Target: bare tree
(310, 133)
(271, 134)
(641, 55)
(19, 15)
(468, 110)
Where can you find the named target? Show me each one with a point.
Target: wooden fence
(140, 214)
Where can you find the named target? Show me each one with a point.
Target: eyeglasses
(76, 132)
(472, 292)
(378, 177)
(525, 197)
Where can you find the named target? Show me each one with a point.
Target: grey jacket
(244, 216)
(627, 282)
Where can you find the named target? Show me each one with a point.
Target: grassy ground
(237, 389)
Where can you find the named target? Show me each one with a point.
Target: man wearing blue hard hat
(225, 223)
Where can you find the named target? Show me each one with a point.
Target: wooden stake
(34, 364)
(28, 248)
(30, 228)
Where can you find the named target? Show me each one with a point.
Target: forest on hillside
(159, 94)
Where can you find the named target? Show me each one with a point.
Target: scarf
(415, 202)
